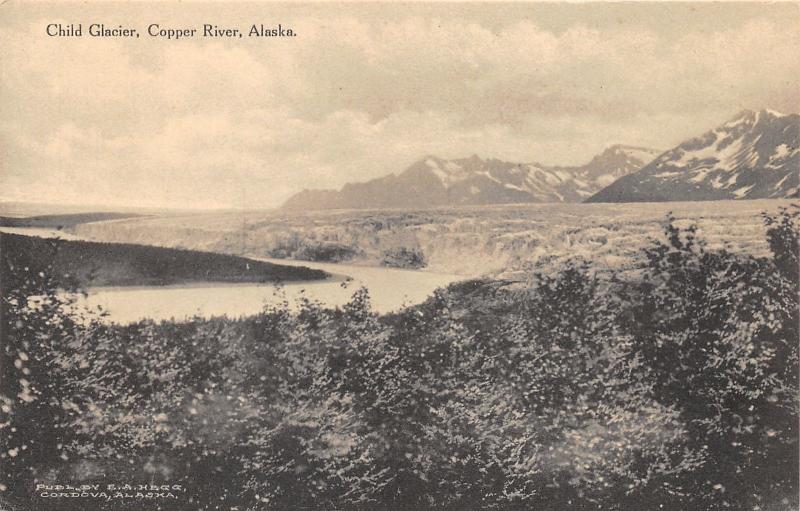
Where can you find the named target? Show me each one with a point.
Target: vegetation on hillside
(678, 391)
(85, 263)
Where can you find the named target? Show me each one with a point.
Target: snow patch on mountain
(743, 191)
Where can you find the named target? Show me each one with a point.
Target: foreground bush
(677, 391)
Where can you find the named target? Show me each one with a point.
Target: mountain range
(755, 155)
(434, 181)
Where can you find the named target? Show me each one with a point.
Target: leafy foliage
(675, 391)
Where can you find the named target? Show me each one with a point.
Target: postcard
(361, 256)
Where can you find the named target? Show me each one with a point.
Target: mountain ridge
(754, 155)
(435, 181)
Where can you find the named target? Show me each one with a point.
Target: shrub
(717, 335)
(402, 257)
(326, 252)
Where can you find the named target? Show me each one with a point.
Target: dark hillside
(61, 221)
(83, 263)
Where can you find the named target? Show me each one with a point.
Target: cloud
(249, 122)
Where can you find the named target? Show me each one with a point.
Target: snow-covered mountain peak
(644, 154)
(773, 113)
(753, 155)
(448, 172)
(751, 118)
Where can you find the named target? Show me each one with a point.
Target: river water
(390, 289)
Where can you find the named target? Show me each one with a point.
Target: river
(390, 289)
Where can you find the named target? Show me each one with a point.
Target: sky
(364, 90)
